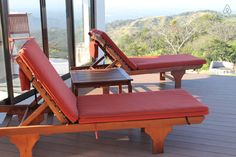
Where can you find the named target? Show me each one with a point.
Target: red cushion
(93, 49)
(108, 40)
(24, 81)
(139, 106)
(35, 59)
(166, 61)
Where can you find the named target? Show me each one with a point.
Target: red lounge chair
(176, 64)
(153, 111)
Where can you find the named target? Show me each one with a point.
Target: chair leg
(25, 143)
(120, 89)
(178, 75)
(162, 76)
(158, 136)
(105, 89)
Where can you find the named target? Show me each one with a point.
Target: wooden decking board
(184, 143)
(221, 137)
(8, 147)
(225, 125)
(87, 147)
(219, 120)
(199, 148)
(218, 128)
(216, 134)
(216, 137)
(204, 142)
(195, 153)
(195, 141)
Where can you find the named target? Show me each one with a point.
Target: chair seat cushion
(166, 61)
(139, 106)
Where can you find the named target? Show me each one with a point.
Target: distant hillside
(206, 34)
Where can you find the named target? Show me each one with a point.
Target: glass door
(57, 35)
(3, 80)
(82, 18)
(24, 22)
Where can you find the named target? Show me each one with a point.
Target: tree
(220, 50)
(223, 31)
(176, 34)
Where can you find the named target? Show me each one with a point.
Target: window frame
(70, 36)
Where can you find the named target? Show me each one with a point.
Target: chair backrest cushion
(38, 63)
(107, 39)
(93, 49)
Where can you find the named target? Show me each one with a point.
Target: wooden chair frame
(27, 133)
(177, 72)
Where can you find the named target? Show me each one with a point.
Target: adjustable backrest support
(112, 50)
(51, 104)
(57, 95)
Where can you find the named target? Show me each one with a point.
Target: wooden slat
(25, 115)
(34, 115)
(60, 116)
(13, 109)
(50, 129)
(112, 64)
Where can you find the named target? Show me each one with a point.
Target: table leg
(129, 87)
(105, 89)
(120, 89)
(75, 90)
(162, 76)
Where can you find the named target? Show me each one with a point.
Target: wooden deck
(216, 137)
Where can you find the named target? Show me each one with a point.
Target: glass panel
(82, 27)
(57, 34)
(24, 22)
(155, 27)
(3, 81)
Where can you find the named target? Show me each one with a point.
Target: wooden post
(178, 74)
(162, 76)
(158, 135)
(25, 143)
(120, 89)
(130, 89)
(105, 89)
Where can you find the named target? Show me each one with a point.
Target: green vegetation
(205, 34)
(57, 42)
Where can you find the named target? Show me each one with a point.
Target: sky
(141, 8)
(125, 9)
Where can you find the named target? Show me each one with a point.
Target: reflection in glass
(26, 23)
(82, 27)
(3, 84)
(57, 35)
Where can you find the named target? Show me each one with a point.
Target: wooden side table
(100, 78)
